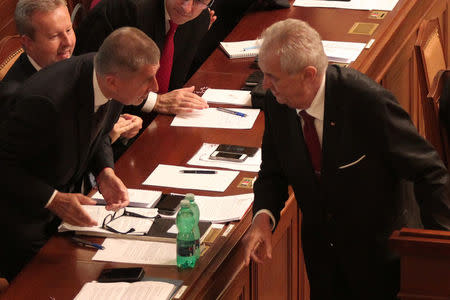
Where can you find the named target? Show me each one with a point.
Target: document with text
(344, 52)
(137, 252)
(141, 290)
(214, 118)
(191, 178)
(387, 5)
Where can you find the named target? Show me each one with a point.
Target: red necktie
(312, 141)
(163, 75)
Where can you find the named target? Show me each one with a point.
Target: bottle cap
(190, 197)
(184, 203)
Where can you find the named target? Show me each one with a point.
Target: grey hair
(296, 43)
(126, 50)
(25, 10)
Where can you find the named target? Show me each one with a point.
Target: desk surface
(60, 269)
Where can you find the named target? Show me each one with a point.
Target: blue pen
(250, 48)
(87, 243)
(229, 111)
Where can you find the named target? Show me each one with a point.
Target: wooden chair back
(10, 50)
(430, 61)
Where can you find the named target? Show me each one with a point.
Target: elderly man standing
(176, 26)
(349, 151)
(57, 129)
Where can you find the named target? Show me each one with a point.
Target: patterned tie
(163, 75)
(312, 141)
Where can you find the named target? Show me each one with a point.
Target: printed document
(172, 176)
(213, 118)
(235, 97)
(223, 209)
(344, 52)
(387, 5)
(201, 158)
(138, 198)
(141, 290)
(137, 252)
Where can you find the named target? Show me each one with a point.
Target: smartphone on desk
(168, 204)
(121, 274)
(228, 156)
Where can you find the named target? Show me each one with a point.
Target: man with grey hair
(349, 151)
(46, 34)
(57, 130)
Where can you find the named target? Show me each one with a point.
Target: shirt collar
(99, 98)
(166, 17)
(34, 63)
(317, 107)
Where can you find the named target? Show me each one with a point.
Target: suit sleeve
(106, 17)
(414, 159)
(24, 136)
(271, 187)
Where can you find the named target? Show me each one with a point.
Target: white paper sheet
(213, 118)
(137, 252)
(170, 176)
(123, 224)
(223, 209)
(387, 5)
(141, 290)
(236, 97)
(201, 158)
(138, 198)
(344, 52)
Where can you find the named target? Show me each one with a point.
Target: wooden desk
(60, 269)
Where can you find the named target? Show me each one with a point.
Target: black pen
(87, 244)
(198, 171)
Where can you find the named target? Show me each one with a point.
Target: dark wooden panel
(7, 25)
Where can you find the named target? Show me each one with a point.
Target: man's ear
(27, 43)
(309, 73)
(112, 83)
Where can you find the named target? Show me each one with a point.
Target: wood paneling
(7, 25)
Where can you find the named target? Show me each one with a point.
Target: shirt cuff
(51, 199)
(268, 212)
(150, 102)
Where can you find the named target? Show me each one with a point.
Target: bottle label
(186, 250)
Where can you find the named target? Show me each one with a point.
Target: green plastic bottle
(196, 212)
(185, 238)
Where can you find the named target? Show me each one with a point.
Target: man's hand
(179, 101)
(258, 240)
(122, 125)
(68, 208)
(212, 17)
(136, 125)
(113, 190)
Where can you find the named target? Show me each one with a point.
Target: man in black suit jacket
(35, 21)
(57, 129)
(152, 17)
(368, 150)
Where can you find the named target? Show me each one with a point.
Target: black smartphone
(168, 204)
(228, 156)
(250, 151)
(121, 274)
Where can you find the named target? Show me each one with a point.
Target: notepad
(249, 48)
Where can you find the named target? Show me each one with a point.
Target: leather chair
(431, 63)
(10, 50)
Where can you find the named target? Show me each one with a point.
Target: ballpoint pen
(198, 171)
(231, 111)
(250, 48)
(87, 243)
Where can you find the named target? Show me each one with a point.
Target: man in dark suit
(57, 129)
(349, 157)
(47, 37)
(153, 17)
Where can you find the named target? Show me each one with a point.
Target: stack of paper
(241, 49)
(387, 5)
(235, 97)
(138, 198)
(343, 52)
